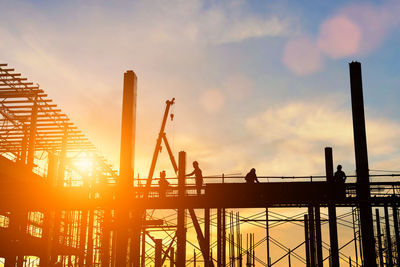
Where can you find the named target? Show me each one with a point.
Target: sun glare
(84, 164)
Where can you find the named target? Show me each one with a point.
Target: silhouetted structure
(87, 215)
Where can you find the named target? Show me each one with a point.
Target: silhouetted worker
(198, 176)
(251, 177)
(340, 176)
(163, 184)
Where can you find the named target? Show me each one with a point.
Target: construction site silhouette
(62, 204)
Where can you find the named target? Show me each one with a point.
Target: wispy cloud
(78, 53)
(83, 48)
(298, 131)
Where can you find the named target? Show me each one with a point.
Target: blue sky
(253, 79)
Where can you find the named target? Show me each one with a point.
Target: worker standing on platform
(251, 177)
(198, 175)
(340, 176)
(163, 184)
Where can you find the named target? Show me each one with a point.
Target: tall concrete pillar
(396, 231)
(361, 155)
(378, 232)
(389, 247)
(207, 231)
(158, 253)
(311, 223)
(333, 236)
(318, 236)
(125, 181)
(181, 230)
(32, 135)
(307, 240)
(219, 237)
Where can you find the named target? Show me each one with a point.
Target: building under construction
(62, 204)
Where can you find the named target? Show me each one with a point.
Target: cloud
(212, 100)
(250, 27)
(297, 133)
(302, 56)
(339, 37)
(289, 139)
(83, 49)
(213, 23)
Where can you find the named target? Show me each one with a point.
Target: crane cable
(172, 116)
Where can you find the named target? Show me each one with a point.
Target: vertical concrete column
(143, 256)
(207, 231)
(267, 235)
(59, 183)
(318, 236)
(24, 145)
(48, 216)
(219, 237)
(388, 238)
(311, 224)
(22, 217)
(125, 181)
(378, 232)
(181, 230)
(90, 247)
(105, 239)
(134, 257)
(172, 257)
(396, 230)
(128, 130)
(307, 240)
(158, 253)
(32, 135)
(223, 236)
(83, 236)
(332, 210)
(361, 157)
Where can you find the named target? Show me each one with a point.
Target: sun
(84, 164)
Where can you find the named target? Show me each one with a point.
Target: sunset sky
(259, 84)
